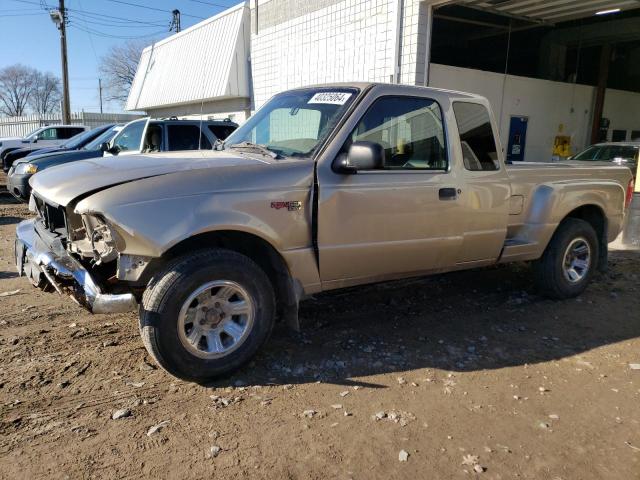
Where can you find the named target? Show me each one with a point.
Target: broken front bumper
(51, 265)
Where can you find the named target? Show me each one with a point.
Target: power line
(113, 25)
(210, 3)
(122, 37)
(95, 15)
(22, 14)
(153, 8)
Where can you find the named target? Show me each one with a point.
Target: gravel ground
(465, 375)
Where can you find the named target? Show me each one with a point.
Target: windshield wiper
(255, 147)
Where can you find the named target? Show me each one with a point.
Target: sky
(28, 36)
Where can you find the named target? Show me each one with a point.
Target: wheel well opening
(258, 250)
(594, 215)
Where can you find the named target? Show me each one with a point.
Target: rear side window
(618, 151)
(67, 132)
(221, 131)
(185, 137)
(479, 150)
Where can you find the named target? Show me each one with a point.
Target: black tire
(548, 270)
(169, 290)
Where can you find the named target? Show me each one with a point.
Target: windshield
(294, 123)
(104, 138)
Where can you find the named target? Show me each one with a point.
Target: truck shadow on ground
(9, 220)
(463, 321)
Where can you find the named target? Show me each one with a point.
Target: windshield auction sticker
(334, 98)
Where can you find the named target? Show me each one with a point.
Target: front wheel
(206, 314)
(568, 263)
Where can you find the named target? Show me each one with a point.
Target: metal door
(517, 139)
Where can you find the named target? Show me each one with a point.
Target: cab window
(130, 136)
(409, 129)
(479, 150)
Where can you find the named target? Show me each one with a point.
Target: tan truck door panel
(400, 217)
(486, 191)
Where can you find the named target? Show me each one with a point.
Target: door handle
(447, 194)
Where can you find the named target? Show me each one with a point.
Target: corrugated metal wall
(207, 61)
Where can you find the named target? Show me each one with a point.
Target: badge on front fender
(291, 206)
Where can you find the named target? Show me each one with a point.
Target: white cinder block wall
(304, 43)
(299, 43)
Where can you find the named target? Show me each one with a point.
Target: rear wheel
(568, 263)
(206, 314)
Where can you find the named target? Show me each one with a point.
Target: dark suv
(159, 135)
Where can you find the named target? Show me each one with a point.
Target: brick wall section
(303, 43)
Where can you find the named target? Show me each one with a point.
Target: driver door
(399, 220)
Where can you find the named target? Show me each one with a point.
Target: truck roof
(365, 85)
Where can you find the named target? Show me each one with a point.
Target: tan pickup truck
(323, 188)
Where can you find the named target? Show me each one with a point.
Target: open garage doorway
(570, 68)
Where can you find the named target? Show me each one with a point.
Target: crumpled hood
(62, 184)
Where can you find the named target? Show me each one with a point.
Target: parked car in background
(49, 136)
(160, 135)
(23, 169)
(74, 143)
(137, 136)
(620, 153)
(323, 188)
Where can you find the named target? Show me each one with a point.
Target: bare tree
(118, 68)
(46, 94)
(16, 86)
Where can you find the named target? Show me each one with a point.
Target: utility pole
(100, 90)
(175, 21)
(59, 17)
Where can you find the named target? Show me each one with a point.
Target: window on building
(618, 135)
(409, 129)
(479, 150)
(186, 137)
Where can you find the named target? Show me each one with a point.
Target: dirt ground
(471, 374)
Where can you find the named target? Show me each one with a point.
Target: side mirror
(619, 160)
(104, 147)
(361, 156)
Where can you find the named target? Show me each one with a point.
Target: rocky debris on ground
(156, 428)
(403, 456)
(222, 402)
(634, 366)
(400, 417)
(214, 451)
(122, 413)
(473, 461)
(309, 413)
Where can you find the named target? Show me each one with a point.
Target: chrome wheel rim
(216, 319)
(577, 260)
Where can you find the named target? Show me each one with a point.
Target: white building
(539, 63)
